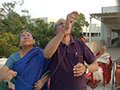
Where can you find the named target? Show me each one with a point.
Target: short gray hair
(55, 25)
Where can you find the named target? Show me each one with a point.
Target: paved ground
(100, 87)
(115, 54)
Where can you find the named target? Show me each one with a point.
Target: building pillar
(86, 33)
(90, 29)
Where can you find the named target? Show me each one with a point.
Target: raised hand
(69, 21)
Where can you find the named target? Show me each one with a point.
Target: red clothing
(106, 69)
(83, 40)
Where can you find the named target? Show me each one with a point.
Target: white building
(48, 20)
(95, 32)
(110, 25)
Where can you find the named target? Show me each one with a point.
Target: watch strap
(86, 71)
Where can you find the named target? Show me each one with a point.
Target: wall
(106, 34)
(95, 45)
(114, 35)
(95, 38)
(48, 20)
(119, 34)
(118, 44)
(110, 9)
(106, 29)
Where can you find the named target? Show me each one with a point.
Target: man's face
(60, 25)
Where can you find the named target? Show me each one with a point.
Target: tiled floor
(114, 52)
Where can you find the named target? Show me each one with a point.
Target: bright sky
(56, 9)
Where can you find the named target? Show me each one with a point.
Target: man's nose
(63, 25)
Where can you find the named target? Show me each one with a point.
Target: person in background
(117, 75)
(82, 38)
(67, 58)
(27, 65)
(105, 63)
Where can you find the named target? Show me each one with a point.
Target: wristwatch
(87, 70)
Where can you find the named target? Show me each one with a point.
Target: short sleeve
(88, 55)
(11, 60)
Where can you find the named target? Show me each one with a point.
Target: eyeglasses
(61, 24)
(28, 36)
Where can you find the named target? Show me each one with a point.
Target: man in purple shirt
(68, 56)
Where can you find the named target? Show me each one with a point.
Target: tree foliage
(11, 23)
(43, 32)
(8, 44)
(79, 22)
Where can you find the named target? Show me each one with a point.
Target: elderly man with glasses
(67, 58)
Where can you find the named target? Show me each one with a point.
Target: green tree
(43, 32)
(8, 44)
(79, 22)
(11, 21)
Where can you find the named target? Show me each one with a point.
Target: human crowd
(63, 63)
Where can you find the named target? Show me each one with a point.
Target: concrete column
(90, 29)
(98, 29)
(86, 32)
(102, 31)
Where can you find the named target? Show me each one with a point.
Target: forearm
(2, 76)
(53, 45)
(93, 67)
(3, 71)
(45, 78)
(6, 74)
(40, 83)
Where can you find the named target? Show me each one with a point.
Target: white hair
(55, 25)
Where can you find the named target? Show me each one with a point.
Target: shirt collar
(72, 41)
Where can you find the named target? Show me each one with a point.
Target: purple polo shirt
(63, 61)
